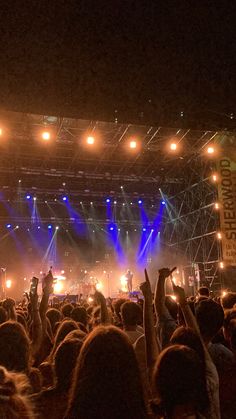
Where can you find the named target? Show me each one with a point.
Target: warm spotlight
(133, 144)
(123, 283)
(90, 140)
(173, 146)
(216, 206)
(221, 265)
(8, 283)
(210, 150)
(99, 286)
(1, 132)
(219, 236)
(46, 135)
(58, 287)
(215, 177)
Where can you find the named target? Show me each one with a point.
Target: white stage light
(46, 135)
(8, 283)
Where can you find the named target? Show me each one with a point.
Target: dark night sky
(88, 58)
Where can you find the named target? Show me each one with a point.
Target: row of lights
(215, 179)
(133, 143)
(173, 146)
(50, 227)
(111, 228)
(108, 200)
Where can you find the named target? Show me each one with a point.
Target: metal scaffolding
(192, 225)
(182, 179)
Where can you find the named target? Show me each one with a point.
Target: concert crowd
(156, 357)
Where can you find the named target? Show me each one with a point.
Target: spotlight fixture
(19, 181)
(108, 200)
(49, 226)
(8, 226)
(144, 229)
(215, 177)
(115, 202)
(17, 227)
(46, 135)
(111, 228)
(219, 236)
(64, 198)
(34, 198)
(28, 197)
(140, 201)
(39, 227)
(90, 140)
(173, 146)
(210, 150)
(133, 144)
(8, 283)
(163, 203)
(216, 206)
(1, 132)
(221, 265)
(57, 227)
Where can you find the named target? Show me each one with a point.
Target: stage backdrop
(226, 167)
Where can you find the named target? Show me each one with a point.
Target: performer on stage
(129, 277)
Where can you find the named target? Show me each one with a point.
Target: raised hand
(99, 297)
(33, 298)
(179, 293)
(164, 273)
(48, 282)
(145, 287)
